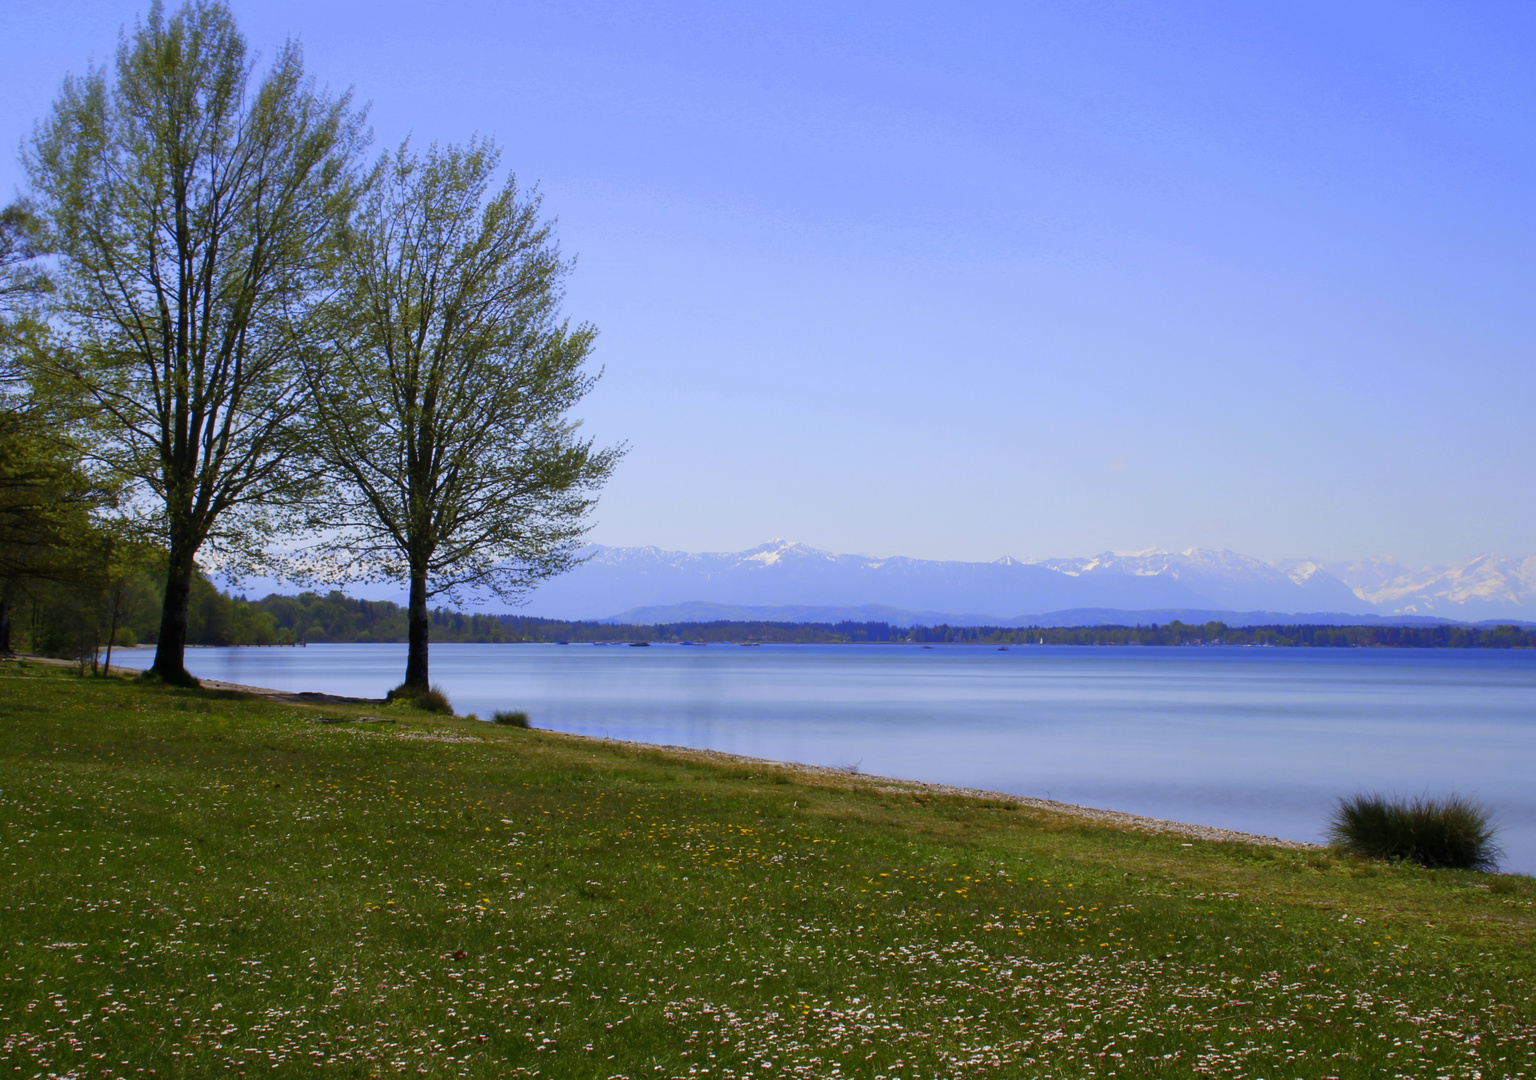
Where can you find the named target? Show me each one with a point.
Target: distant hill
(800, 582)
(784, 574)
(699, 612)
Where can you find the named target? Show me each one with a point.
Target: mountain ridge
(699, 612)
(784, 574)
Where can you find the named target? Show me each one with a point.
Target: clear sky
(966, 280)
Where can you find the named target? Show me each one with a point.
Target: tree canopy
(191, 206)
(441, 385)
(219, 329)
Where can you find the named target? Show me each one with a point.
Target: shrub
(433, 700)
(512, 719)
(1451, 833)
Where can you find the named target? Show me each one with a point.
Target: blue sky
(960, 281)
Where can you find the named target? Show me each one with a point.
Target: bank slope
(198, 882)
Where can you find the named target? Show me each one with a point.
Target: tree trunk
(171, 649)
(416, 634)
(5, 626)
(117, 606)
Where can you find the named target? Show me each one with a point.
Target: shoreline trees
(249, 337)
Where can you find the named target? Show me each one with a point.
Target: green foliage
(191, 209)
(218, 618)
(335, 617)
(440, 392)
(529, 903)
(46, 499)
(1451, 833)
(70, 572)
(24, 285)
(447, 352)
(215, 618)
(509, 718)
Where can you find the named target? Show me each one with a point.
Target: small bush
(511, 719)
(1451, 833)
(433, 700)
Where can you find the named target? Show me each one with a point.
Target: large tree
(442, 391)
(191, 204)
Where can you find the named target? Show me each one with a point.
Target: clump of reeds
(511, 719)
(432, 700)
(1451, 833)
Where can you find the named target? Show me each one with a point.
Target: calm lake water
(1262, 740)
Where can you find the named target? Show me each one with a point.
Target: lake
(1260, 740)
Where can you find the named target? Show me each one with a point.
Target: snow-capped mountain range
(1484, 583)
(649, 584)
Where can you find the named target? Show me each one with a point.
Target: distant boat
(639, 644)
(700, 644)
(1002, 648)
(562, 643)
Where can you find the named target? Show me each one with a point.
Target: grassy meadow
(203, 884)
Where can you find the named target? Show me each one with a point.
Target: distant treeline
(217, 618)
(1216, 633)
(220, 619)
(1174, 633)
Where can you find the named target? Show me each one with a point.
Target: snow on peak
(1304, 571)
(780, 571)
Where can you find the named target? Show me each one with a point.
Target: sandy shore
(820, 773)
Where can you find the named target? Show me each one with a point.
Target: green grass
(200, 884)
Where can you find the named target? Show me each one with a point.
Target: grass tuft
(433, 700)
(1451, 833)
(510, 718)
